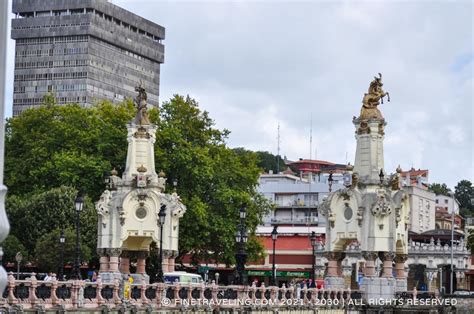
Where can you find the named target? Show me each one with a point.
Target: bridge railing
(33, 294)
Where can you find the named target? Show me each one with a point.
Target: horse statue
(372, 98)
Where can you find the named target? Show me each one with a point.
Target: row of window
(52, 40)
(51, 52)
(50, 64)
(118, 49)
(49, 26)
(49, 88)
(90, 11)
(39, 100)
(49, 76)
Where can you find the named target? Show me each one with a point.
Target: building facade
(422, 204)
(82, 51)
(296, 198)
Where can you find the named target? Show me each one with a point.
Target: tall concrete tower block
(129, 210)
(372, 211)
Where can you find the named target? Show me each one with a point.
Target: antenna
(311, 136)
(278, 149)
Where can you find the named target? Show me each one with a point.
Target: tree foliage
(464, 193)
(266, 161)
(68, 145)
(34, 215)
(53, 146)
(11, 246)
(439, 188)
(48, 250)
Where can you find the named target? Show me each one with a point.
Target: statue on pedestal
(142, 114)
(371, 100)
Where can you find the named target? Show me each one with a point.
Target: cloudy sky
(256, 64)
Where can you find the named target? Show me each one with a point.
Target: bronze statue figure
(371, 100)
(142, 114)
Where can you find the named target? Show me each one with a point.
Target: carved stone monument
(373, 210)
(128, 210)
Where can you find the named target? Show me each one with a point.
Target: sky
(305, 65)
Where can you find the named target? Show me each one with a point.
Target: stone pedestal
(378, 288)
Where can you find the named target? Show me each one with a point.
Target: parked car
(462, 292)
(182, 277)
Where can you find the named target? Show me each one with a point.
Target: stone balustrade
(437, 248)
(32, 294)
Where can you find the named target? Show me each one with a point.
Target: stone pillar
(141, 262)
(114, 259)
(333, 278)
(104, 260)
(334, 264)
(125, 262)
(165, 261)
(400, 273)
(171, 263)
(400, 266)
(370, 257)
(387, 259)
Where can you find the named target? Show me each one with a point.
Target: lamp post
(78, 203)
(62, 240)
(162, 217)
(274, 238)
(314, 242)
(241, 238)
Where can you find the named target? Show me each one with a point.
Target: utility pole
(278, 149)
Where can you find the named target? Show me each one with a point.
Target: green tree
(11, 246)
(464, 193)
(266, 161)
(48, 250)
(55, 145)
(470, 240)
(33, 215)
(439, 188)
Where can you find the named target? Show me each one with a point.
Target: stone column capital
(126, 254)
(401, 258)
(113, 252)
(370, 255)
(141, 254)
(386, 256)
(334, 256)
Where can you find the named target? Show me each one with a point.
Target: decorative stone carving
(381, 207)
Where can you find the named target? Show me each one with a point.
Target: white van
(182, 277)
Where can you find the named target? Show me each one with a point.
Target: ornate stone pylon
(373, 210)
(128, 210)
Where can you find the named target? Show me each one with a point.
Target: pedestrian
(48, 277)
(94, 276)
